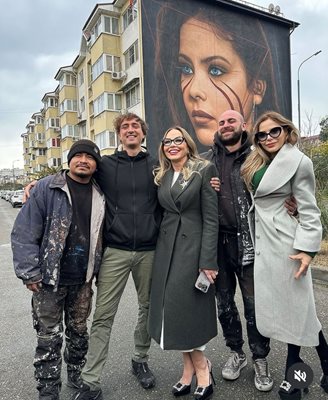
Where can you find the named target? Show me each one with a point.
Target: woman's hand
(305, 261)
(215, 183)
(27, 190)
(210, 274)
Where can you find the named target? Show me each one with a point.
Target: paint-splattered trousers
(48, 308)
(226, 281)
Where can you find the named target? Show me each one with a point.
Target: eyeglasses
(178, 140)
(273, 132)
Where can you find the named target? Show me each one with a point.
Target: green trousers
(113, 275)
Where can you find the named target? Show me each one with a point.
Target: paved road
(17, 341)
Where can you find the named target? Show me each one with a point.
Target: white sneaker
(236, 362)
(262, 378)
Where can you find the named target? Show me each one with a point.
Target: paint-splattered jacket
(41, 227)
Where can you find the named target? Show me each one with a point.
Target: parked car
(17, 198)
(8, 195)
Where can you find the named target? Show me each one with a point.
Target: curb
(320, 275)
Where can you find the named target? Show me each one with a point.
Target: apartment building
(102, 81)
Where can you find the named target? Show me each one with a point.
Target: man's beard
(232, 140)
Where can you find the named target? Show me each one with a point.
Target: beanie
(84, 146)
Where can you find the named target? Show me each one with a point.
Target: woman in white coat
(284, 245)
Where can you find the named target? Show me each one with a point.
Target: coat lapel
(180, 186)
(280, 171)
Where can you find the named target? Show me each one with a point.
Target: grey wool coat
(285, 308)
(187, 242)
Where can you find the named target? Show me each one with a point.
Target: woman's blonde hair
(165, 165)
(258, 157)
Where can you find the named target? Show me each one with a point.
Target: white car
(17, 198)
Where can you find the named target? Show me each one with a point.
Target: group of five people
(164, 222)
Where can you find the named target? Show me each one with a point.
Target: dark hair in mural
(262, 47)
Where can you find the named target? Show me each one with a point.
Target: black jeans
(48, 307)
(226, 281)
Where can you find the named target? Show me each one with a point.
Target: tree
(324, 129)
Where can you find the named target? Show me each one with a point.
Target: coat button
(256, 220)
(257, 236)
(184, 235)
(258, 253)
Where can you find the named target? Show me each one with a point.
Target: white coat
(284, 306)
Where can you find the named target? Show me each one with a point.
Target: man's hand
(34, 287)
(27, 190)
(215, 183)
(305, 261)
(291, 206)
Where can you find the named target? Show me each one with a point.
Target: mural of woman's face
(213, 79)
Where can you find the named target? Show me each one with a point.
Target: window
(81, 77)
(107, 63)
(83, 131)
(54, 162)
(41, 152)
(70, 131)
(107, 101)
(53, 142)
(131, 55)
(53, 123)
(40, 137)
(39, 120)
(97, 68)
(113, 63)
(52, 102)
(111, 25)
(68, 105)
(106, 139)
(129, 16)
(67, 79)
(65, 154)
(132, 96)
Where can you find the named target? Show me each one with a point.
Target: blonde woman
(284, 245)
(181, 316)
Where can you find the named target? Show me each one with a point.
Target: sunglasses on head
(178, 140)
(273, 132)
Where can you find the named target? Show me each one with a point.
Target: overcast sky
(40, 36)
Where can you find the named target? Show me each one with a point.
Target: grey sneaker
(262, 378)
(233, 366)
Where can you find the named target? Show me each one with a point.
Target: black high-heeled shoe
(181, 389)
(324, 383)
(286, 392)
(205, 392)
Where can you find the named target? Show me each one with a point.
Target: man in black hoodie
(131, 229)
(235, 252)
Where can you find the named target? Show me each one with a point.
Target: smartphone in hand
(202, 282)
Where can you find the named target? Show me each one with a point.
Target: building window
(51, 102)
(132, 96)
(107, 101)
(70, 131)
(113, 63)
(68, 105)
(54, 162)
(131, 55)
(53, 123)
(83, 131)
(67, 80)
(129, 16)
(53, 142)
(111, 25)
(82, 104)
(41, 152)
(106, 139)
(97, 68)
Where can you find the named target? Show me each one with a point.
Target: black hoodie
(133, 214)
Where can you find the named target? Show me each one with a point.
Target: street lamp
(299, 89)
(14, 173)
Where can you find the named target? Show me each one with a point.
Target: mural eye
(186, 69)
(216, 71)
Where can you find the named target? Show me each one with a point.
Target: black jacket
(240, 195)
(132, 211)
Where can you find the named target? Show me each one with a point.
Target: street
(18, 342)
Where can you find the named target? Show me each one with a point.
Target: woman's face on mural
(213, 79)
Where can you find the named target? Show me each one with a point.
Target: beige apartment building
(103, 81)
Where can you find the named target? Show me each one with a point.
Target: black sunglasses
(178, 140)
(274, 133)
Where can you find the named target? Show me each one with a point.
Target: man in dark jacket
(235, 252)
(131, 229)
(57, 249)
